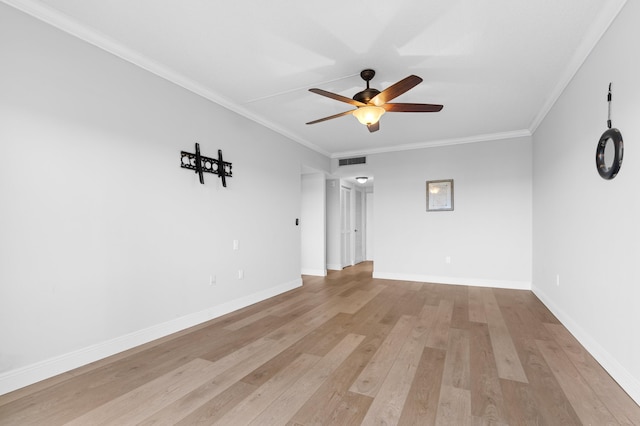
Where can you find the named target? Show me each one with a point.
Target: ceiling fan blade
(337, 97)
(396, 90)
(412, 107)
(374, 127)
(331, 117)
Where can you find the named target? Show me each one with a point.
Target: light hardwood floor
(346, 350)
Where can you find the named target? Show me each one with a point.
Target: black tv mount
(201, 164)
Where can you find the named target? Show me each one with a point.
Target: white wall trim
(625, 379)
(589, 42)
(71, 26)
(523, 133)
(18, 378)
(315, 272)
(473, 282)
(334, 266)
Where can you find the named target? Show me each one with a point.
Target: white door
(359, 231)
(345, 228)
(369, 225)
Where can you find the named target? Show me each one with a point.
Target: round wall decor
(609, 153)
(610, 148)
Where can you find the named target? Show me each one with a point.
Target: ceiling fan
(372, 103)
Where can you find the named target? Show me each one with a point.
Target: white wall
(359, 223)
(370, 225)
(334, 259)
(586, 229)
(487, 236)
(312, 224)
(105, 242)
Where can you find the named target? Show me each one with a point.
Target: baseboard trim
(30, 374)
(314, 272)
(626, 380)
(334, 267)
(474, 282)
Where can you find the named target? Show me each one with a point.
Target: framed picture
(439, 195)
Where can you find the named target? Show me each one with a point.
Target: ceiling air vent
(350, 161)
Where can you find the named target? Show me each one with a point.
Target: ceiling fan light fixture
(369, 114)
(362, 179)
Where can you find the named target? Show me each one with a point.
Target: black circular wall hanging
(610, 149)
(609, 167)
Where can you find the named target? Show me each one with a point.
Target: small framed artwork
(440, 195)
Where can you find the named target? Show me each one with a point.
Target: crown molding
(64, 23)
(71, 26)
(436, 143)
(581, 54)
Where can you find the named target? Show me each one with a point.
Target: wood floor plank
(522, 407)
(454, 407)
(237, 367)
(333, 396)
(135, 406)
(321, 314)
(228, 370)
(212, 393)
(618, 402)
(350, 411)
(371, 378)
(421, 405)
(471, 356)
(523, 324)
(332, 399)
(487, 402)
(582, 398)
(439, 336)
(360, 298)
(476, 305)
(460, 314)
(325, 337)
(286, 405)
(228, 343)
(74, 397)
(262, 397)
(457, 364)
(389, 401)
(284, 306)
(214, 408)
(411, 302)
(396, 309)
(504, 351)
(544, 392)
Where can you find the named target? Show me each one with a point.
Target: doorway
(348, 231)
(346, 255)
(359, 227)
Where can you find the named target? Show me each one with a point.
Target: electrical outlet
(447, 259)
(558, 280)
(236, 245)
(240, 274)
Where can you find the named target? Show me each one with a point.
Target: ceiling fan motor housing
(366, 95)
(369, 93)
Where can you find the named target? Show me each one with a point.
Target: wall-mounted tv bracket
(201, 164)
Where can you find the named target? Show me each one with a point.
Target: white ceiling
(497, 66)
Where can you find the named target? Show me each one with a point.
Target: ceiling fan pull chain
(609, 101)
